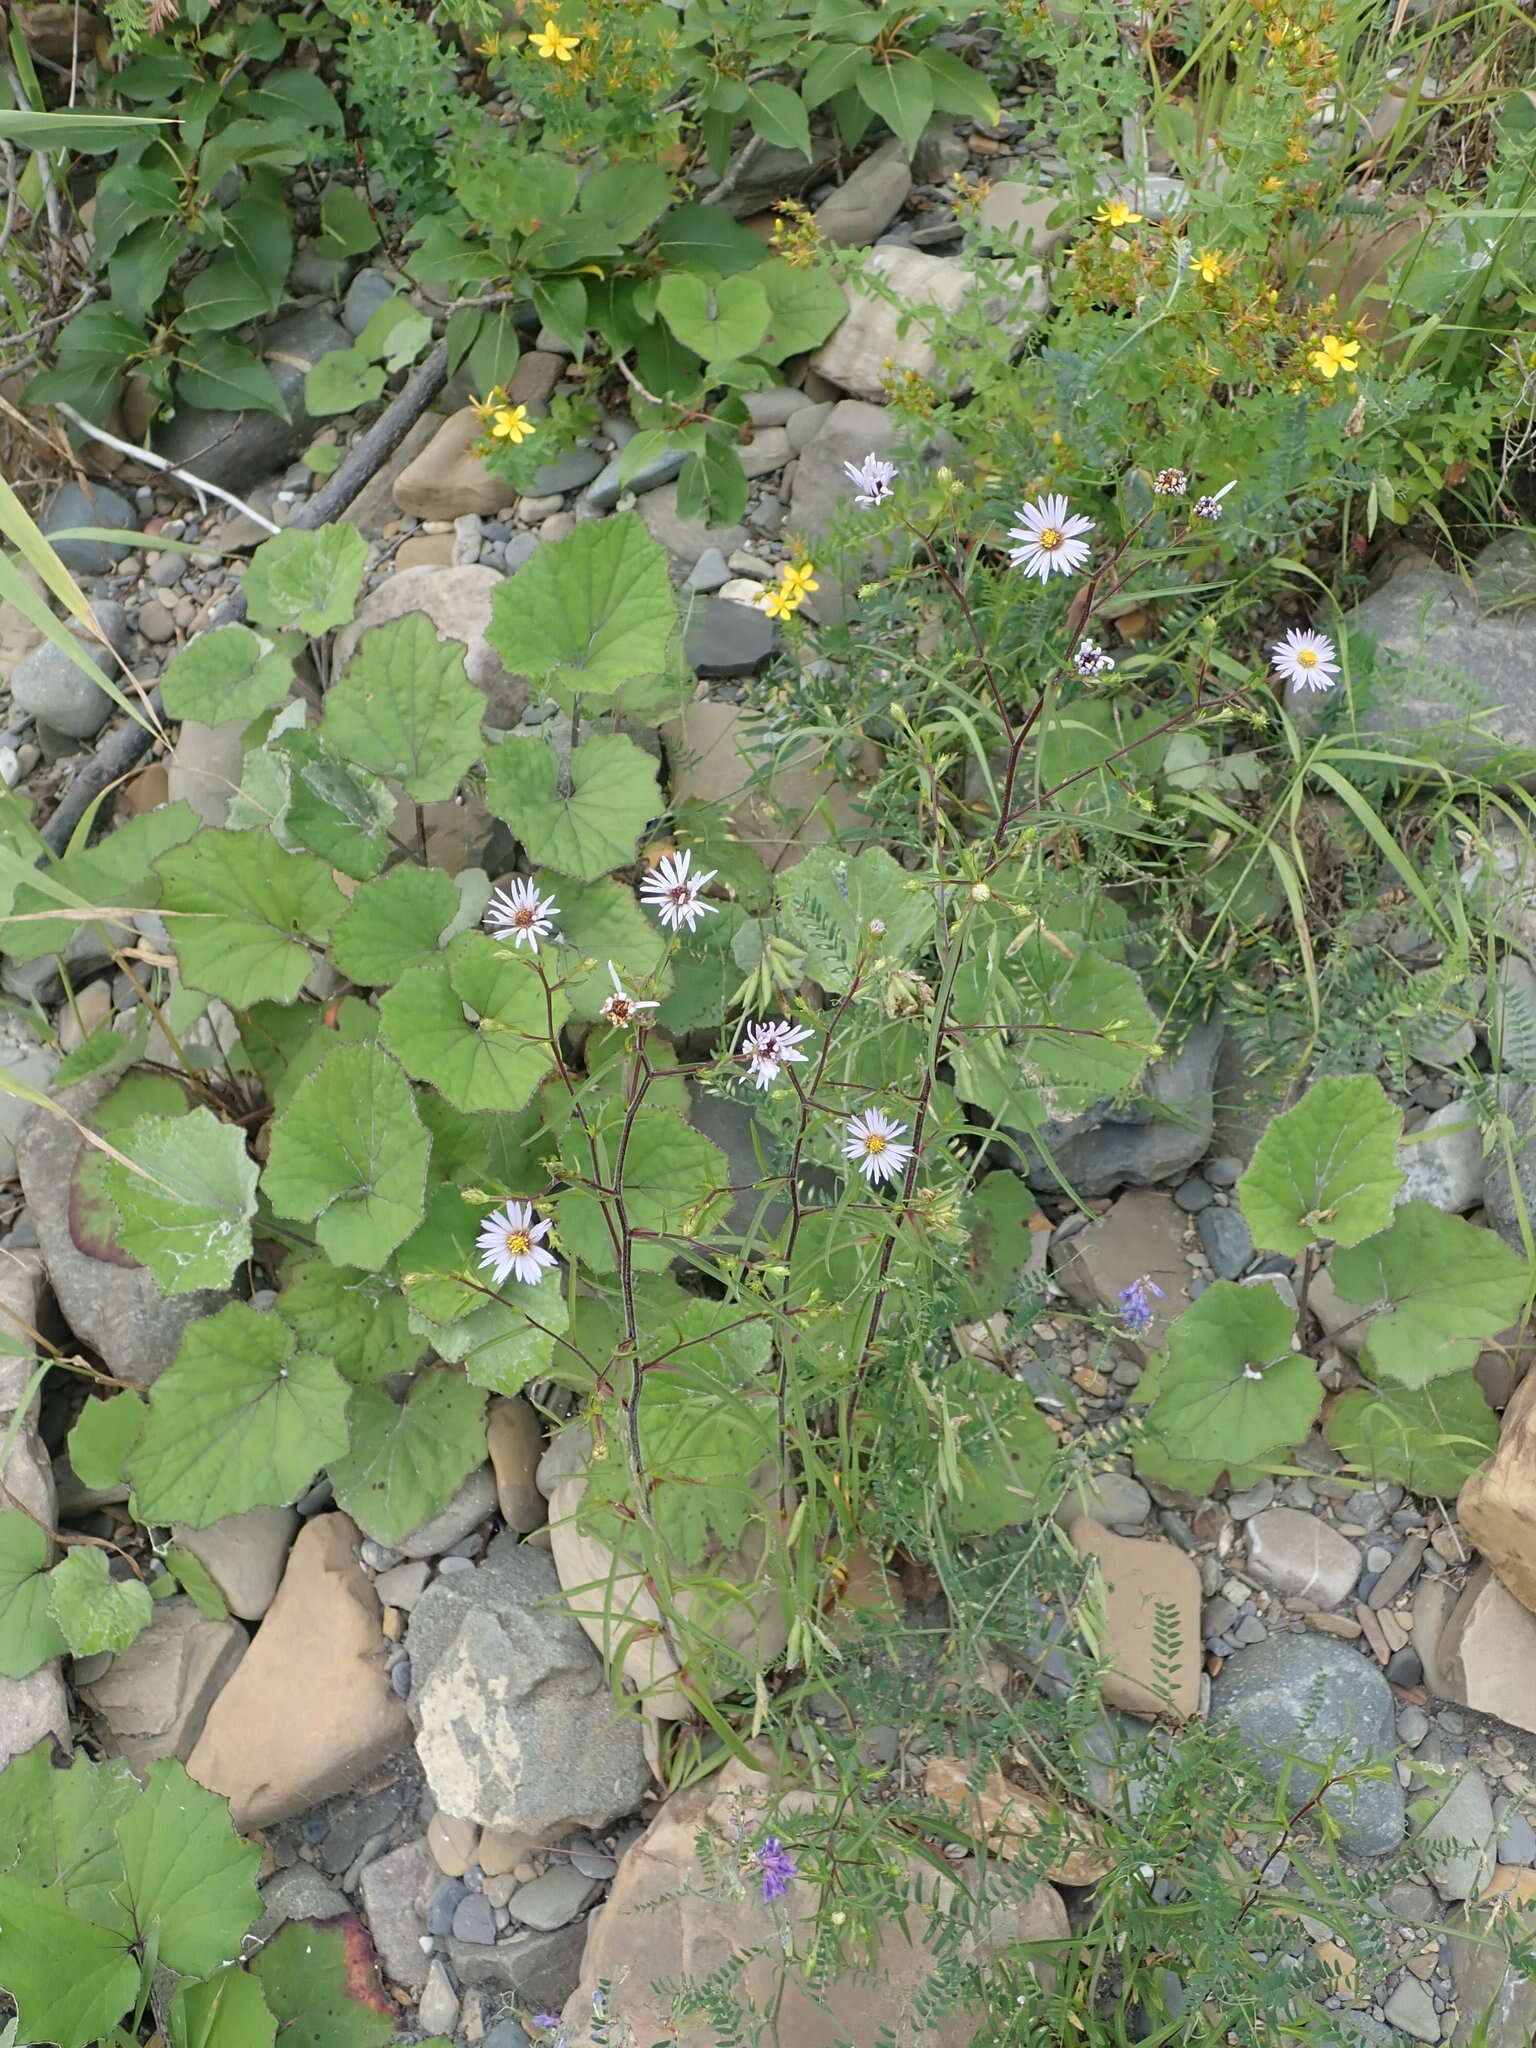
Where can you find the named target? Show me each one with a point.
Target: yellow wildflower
(801, 580)
(1117, 215)
(487, 408)
(1333, 355)
(1272, 184)
(491, 47)
(512, 424)
(1210, 266)
(553, 43)
(782, 603)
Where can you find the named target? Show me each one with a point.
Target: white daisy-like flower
(1306, 658)
(872, 1142)
(1049, 538)
(1091, 660)
(674, 894)
(521, 914)
(769, 1047)
(622, 1008)
(511, 1242)
(874, 477)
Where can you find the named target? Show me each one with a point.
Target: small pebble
(1377, 1558)
(156, 623)
(1194, 1194)
(474, 1920)
(448, 1565)
(400, 1679)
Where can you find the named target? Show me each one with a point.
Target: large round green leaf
(602, 922)
(229, 673)
(583, 824)
(495, 1057)
(394, 923)
(185, 1213)
(1443, 1286)
(1325, 1170)
(405, 708)
(240, 1420)
(589, 613)
(349, 1151)
(1229, 1387)
(675, 1182)
(408, 1460)
(249, 913)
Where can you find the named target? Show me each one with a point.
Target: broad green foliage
(93, 1610)
(354, 1319)
(494, 1057)
(349, 1153)
(307, 581)
(225, 2010)
(601, 923)
(1003, 1450)
(240, 1420)
(406, 709)
(408, 1460)
(855, 918)
(503, 1341)
(116, 873)
(101, 1866)
(583, 820)
(394, 923)
(1078, 1028)
(1429, 1439)
(186, 1212)
(675, 1184)
(229, 673)
(303, 1972)
(590, 613)
(249, 914)
(1325, 1171)
(102, 1437)
(1228, 1389)
(29, 1635)
(1442, 1287)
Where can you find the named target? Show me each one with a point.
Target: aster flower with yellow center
(553, 44)
(1332, 355)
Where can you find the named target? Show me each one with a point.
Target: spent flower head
(621, 1008)
(676, 895)
(769, 1046)
(510, 1243)
(1209, 506)
(1048, 537)
(1306, 658)
(874, 477)
(1170, 483)
(1136, 1310)
(872, 1140)
(521, 914)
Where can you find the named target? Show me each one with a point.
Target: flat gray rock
(62, 692)
(1297, 1697)
(1156, 1136)
(725, 639)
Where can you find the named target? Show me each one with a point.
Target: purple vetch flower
(1209, 507)
(874, 478)
(1136, 1300)
(777, 1867)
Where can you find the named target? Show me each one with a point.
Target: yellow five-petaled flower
(1117, 215)
(487, 408)
(553, 43)
(512, 424)
(796, 583)
(1210, 266)
(1332, 355)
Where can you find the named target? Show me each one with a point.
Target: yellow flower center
(1049, 537)
(875, 1143)
(519, 1242)
(1306, 657)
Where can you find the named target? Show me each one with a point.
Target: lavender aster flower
(874, 478)
(777, 1867)
(1136, 1309)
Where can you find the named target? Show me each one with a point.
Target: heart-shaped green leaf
(675, 1187)
(189, 1880)
(407, 1461)
(719, 318)
(503, 1340)
(602, 922)
(251, 911)
(186, 1214)
(492, 1059)
(1429, 1439)
(590, 612)
(94, 1611)
(1326, 1169)
(305, 579)
(354, 1319)
(240, 1420)
(587, 828)
(228, 673)
(406, 709)
(394, 923)
(1229, 1386)
(349, 1151)
(29, 1635)
(1443, 1285)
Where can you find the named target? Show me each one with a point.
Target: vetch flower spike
(510, 1244)
(768, 1047)
(777, 1868)
(1136, 1310)
(1048, 537)
(1306, 658)
(874, 477)
(521, 914)
(622, 1009)
(674, 894)
(872, 1142)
